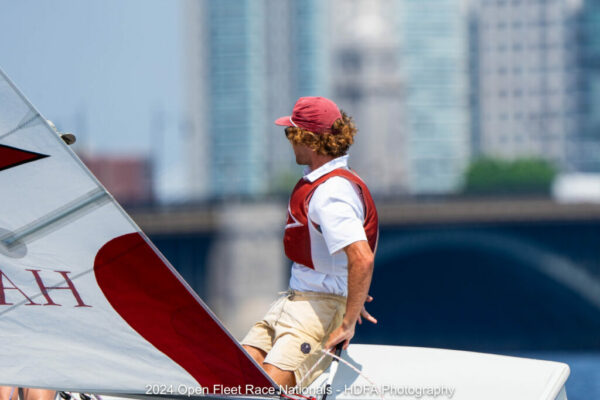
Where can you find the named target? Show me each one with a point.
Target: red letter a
(14, 287)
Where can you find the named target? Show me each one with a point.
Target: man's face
(303, 153)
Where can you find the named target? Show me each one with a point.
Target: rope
(312, 368)
(359, 372)
(286, 396)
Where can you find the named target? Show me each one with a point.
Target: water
(584, 381)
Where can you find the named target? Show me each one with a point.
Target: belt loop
(291, 294)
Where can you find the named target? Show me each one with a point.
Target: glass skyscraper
(236, 119)
(588, 159)
(434, 69)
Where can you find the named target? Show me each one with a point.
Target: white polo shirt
(337, 209)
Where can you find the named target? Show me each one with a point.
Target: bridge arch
(480, 291)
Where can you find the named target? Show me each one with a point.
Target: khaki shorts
(295, 329)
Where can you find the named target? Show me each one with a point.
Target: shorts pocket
(325, 311)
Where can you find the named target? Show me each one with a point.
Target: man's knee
(38, 394)
(280, 376)
(8, 392)
(256, 353)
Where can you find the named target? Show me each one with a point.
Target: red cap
(315, 114)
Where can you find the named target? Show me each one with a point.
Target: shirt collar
(340, 162)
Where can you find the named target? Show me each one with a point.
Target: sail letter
(14, 287)
(44, 288)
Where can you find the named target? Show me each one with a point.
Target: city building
(400, 70)
(366, 83)
(588, 138)
(127, 177)
(434, 54)
(525, 80)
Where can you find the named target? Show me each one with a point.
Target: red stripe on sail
(11, 156)
(154, 302)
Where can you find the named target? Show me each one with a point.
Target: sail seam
(20, 126)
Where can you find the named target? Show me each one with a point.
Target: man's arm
(360, 271)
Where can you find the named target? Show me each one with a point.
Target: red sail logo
(11, 156)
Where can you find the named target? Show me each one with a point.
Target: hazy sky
(108, 70)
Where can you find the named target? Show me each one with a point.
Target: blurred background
(479, 136)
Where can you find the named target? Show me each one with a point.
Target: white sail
(86, 302)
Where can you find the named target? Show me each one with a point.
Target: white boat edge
(474, 375)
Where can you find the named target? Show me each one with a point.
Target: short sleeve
(338, 211)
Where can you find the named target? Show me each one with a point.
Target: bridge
(478, 274)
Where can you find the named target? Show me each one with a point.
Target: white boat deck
(417, 372)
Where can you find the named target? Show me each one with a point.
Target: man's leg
(259, 340)
(281, 377)
(38, 394)
(8, 392)
(256, 353)
(302, 330)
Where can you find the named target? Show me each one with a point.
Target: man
(331, 236)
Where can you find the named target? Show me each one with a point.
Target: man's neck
(318, 161)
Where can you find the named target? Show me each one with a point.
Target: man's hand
(365, 314)
(346, 333)
(342, 333)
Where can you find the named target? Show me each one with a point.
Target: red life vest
(296, 240)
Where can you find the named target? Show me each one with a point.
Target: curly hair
(334, 143)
